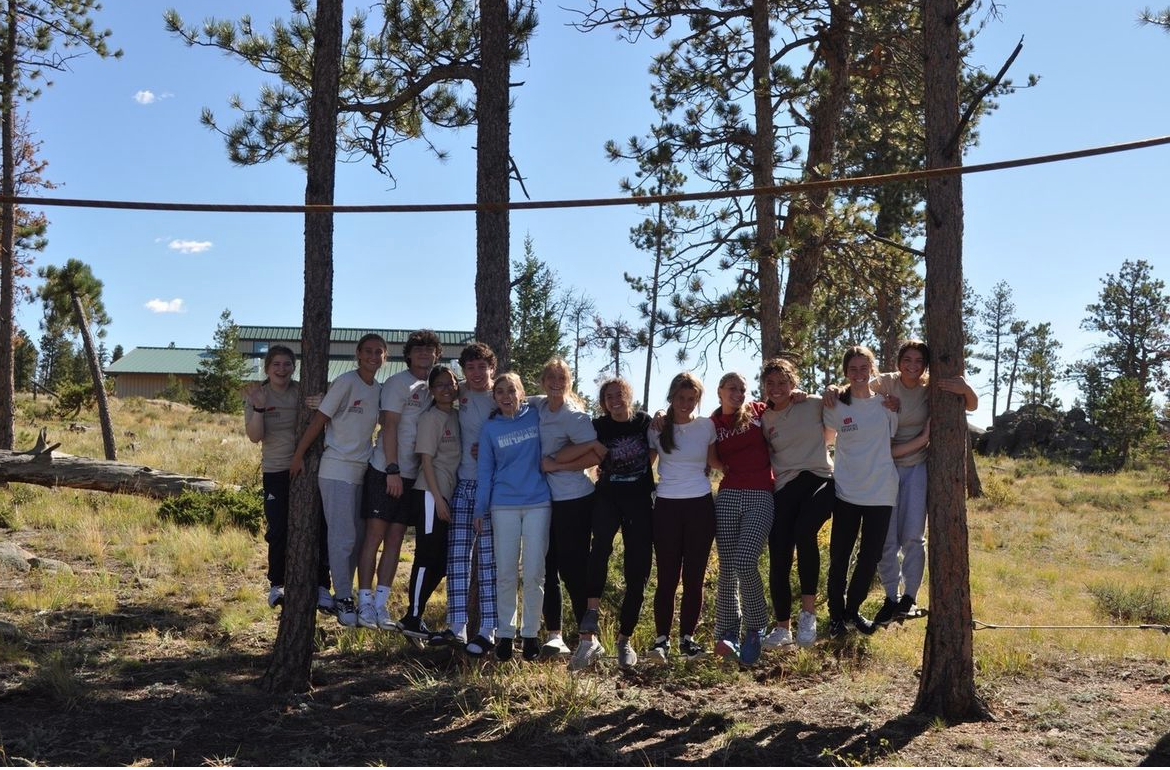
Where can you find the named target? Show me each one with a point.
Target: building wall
(146, 385)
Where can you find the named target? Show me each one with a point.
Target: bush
(1131, 603)
(241, 508)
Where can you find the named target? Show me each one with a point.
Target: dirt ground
(153, 685)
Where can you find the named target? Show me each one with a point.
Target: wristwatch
(392, 469)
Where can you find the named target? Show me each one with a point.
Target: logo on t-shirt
(356, 407)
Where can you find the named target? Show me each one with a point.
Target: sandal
(479, 646)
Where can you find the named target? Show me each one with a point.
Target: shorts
(376, 504)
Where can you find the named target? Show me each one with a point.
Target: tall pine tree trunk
(290, 666)
(947, 685)
(8, 232)
(99, 380)
(805, 223)
(763, 175)
(492, 283)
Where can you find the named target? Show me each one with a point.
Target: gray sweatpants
(342, 502)
(907, 533)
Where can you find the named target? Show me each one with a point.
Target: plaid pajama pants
(461, 540)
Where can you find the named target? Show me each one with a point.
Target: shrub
(224, 507)
(1131, 603)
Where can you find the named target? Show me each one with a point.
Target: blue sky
(130, 130)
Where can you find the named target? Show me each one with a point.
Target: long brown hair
(680, 381)
(846, 397)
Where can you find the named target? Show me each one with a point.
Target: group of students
(481, 465)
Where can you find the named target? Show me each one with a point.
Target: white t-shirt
(863, 468)
(474, 408)
(352, 408)
(407, 396)
(682, 471)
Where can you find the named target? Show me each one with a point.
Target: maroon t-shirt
(744, 452)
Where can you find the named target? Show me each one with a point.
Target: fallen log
(42, 466)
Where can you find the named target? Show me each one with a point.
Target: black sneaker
(890, 608)
(531, 648)
(837, 628)
(414, 627)
(504, 650)
(906, 606)
(862, 624)
(690, 648)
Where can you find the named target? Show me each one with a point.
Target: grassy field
(146, 650)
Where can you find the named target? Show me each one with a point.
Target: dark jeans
(683, 533)
(848, 518)
(803, 505)
(276, 491)
(632, 514)
(567, 557)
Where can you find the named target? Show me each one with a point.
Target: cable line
(428, 208)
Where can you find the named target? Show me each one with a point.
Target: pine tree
(1133, 312)
(35, 36)
(24, 361)
(72, 298)
(221, 373)
(1041, 365)
(996, 316)
(536, 317)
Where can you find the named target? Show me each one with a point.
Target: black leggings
(803, 505)
(276, 491)
(683, 532)
(567, 557)
(632, 514)
(848, 518)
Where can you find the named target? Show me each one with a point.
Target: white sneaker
(626, 656)
(586, 654)
(367, 617)
(553, 647)
(324, 599)
(780, 637)
(275, 596)
(384, 620)
(661, 649)
(806, 629)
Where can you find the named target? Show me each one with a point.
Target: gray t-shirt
(280, 427)
(438, 436)
(913, 412)
(474, 408)
(352, 408)
(558, 429)
(863, 468)
(796, 440)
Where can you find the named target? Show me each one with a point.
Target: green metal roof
(392, 336)
(158, 361)
(186, 361)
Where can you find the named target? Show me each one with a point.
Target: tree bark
(291, 663)
(99, 380)
(947, 685)
(56, 470)
(805, 222)
(8, 233)
(493, 129)
(764, 175)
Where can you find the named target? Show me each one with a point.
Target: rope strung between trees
(777, 190)
(979, 625)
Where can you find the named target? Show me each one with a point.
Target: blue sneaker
(727, 648)
(749, 653)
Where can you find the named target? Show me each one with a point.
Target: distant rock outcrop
(1040, 430)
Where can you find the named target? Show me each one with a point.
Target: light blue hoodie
(509, 463)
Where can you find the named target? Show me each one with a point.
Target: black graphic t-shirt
(626, 469)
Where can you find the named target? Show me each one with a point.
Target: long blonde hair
(680, 381)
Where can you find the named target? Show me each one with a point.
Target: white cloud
(189, 247)
(144, 97)
(166, 306)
